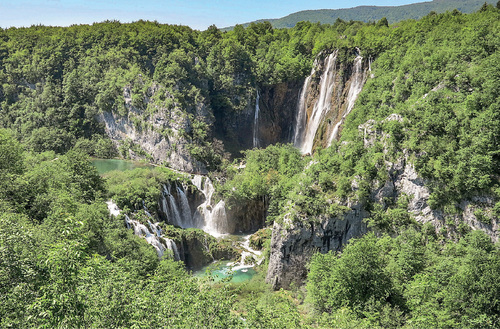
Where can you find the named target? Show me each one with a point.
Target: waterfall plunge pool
(223, 270)
(237, 272)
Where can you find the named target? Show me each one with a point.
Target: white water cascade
(212, 220)
(152, 234)
(247, 252)
(357, 82)
(301, 119)
(305, 130)
(177, 208)
(370, 67)
(256, 122)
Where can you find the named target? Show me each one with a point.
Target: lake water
(224, 270)
(105, 165)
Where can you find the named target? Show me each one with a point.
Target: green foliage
(267, 173)
(438, 78)
(273, 310)
(134, 189)
(64, 262)
(409, 280)
(352, 280)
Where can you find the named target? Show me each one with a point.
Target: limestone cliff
(278, 106)
(154, 132)
(278, 112)
(293, 243)
(249, 216)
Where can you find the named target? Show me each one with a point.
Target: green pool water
(105, 165)
(222, 270)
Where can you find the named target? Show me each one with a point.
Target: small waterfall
(216, 223)
(187, 219)
(357, 82)
(113, 208)
(152, 234)
(173, 247)
(321, 107)
(212, 220)
(256, 122)
(247, 252)
(370, 67)
(170, 208)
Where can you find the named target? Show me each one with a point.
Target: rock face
(249, 216)
(198, 250)
(278, 106)
(278, 112)
(404, 180)
(293, 244)
(153, 133)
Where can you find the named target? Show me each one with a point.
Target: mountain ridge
(368, 13)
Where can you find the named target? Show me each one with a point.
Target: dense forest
(432, 101)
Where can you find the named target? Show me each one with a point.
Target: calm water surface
(105, 165)
(223, 270)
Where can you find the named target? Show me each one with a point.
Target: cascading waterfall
(212, 220)
(187, 219)
(246, 253)
(321, 107)
(176, 209)
(152, 234)
(370, 67)
(357, 81)
(256, 122)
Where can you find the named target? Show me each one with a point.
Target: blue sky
(197, 14)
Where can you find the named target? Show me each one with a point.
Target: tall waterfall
(306, 131)
(152, 233)
(256, 122)
(212, 220)
(301, 119)
(357, 81)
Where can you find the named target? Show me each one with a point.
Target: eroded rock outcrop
(294, 243)
(155, 132)
(250, 215)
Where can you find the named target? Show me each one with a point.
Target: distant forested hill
(374, 13)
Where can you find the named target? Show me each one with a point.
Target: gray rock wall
(294, 243)
(156, 133)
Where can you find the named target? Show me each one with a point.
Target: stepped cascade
(249, 252)
(212, 220)
(175, 206)
(309, 128)
(256, 122)
(152, 233)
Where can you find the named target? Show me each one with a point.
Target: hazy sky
(197, 14)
